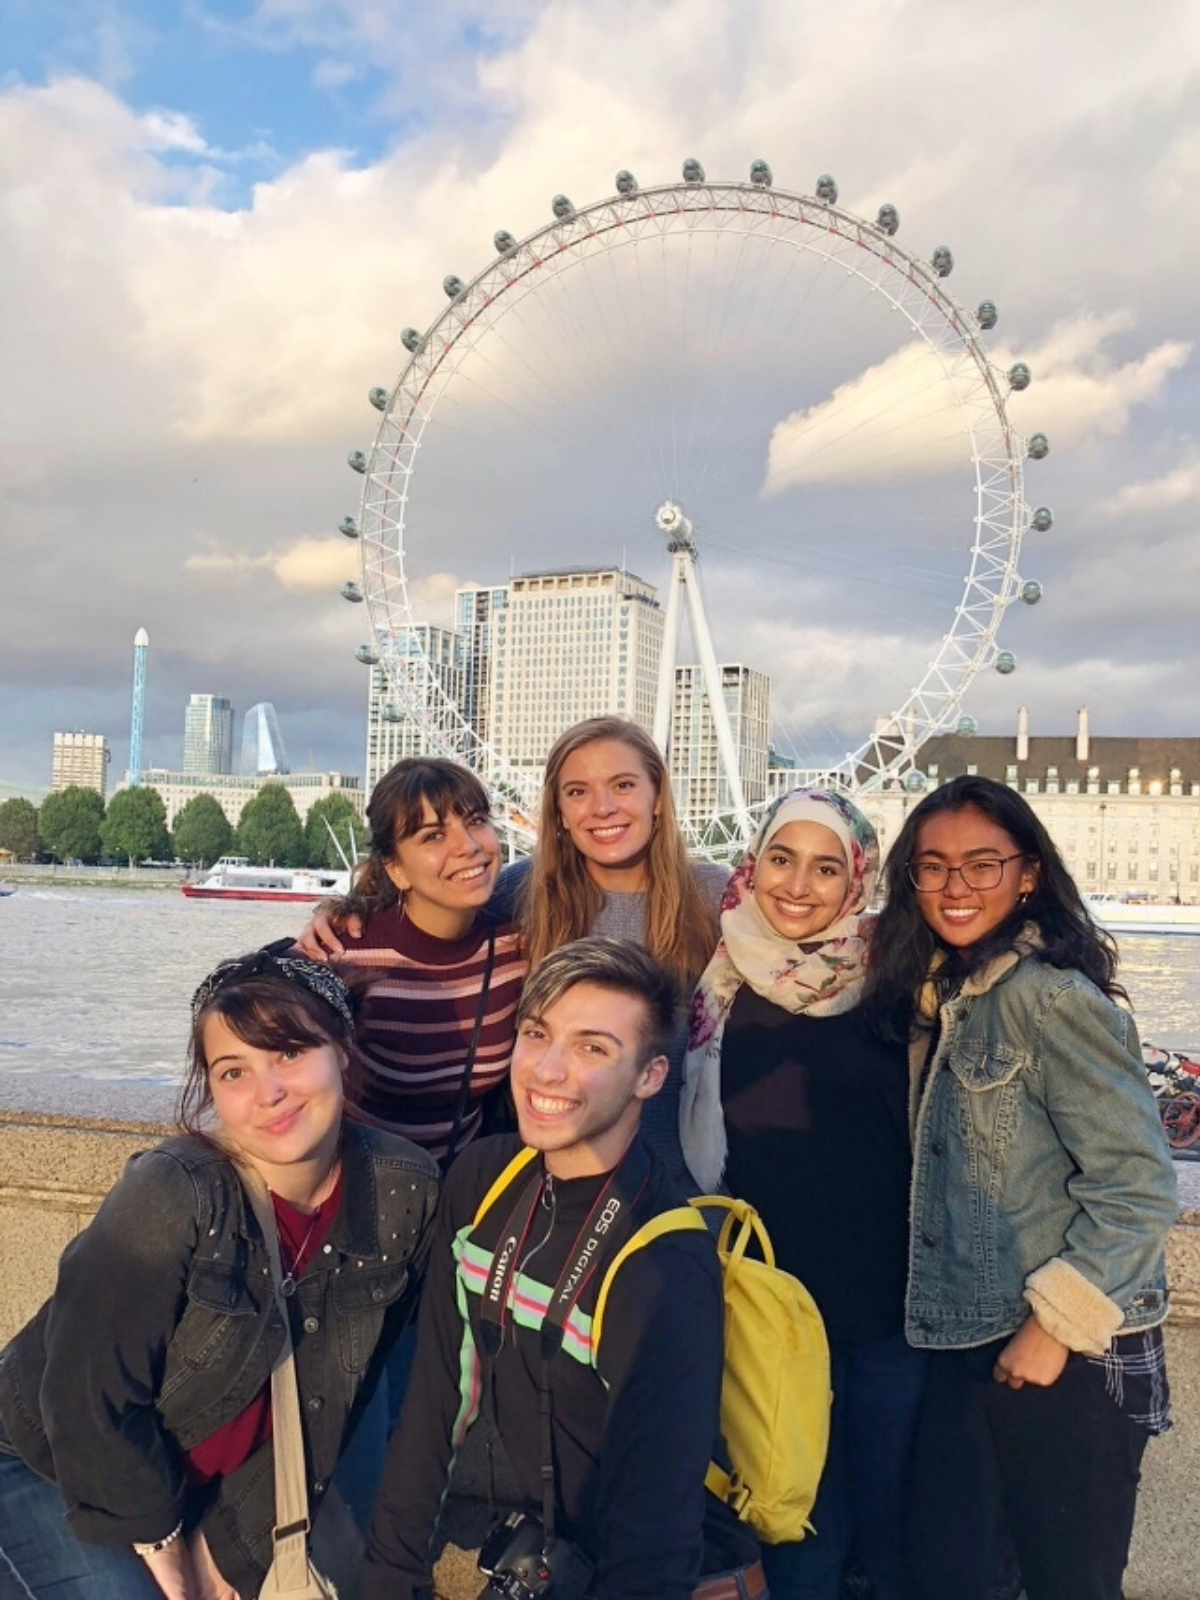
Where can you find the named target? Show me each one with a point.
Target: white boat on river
(233, 878)
(1141, 916)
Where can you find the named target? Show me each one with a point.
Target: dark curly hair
(903, 944)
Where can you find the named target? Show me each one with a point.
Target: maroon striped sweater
(416, 1019)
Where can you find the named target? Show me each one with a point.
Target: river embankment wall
(64, 1141)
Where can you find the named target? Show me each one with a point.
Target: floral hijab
(821, 977)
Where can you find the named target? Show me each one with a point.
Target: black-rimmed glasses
(927, 877)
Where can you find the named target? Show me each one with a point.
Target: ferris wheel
(764, 395)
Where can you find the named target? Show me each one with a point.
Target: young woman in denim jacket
(1042, 1195)
(137, 1401)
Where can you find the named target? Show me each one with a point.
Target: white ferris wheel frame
(913, 287)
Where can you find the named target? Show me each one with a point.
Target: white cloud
(1178, 487)
(184, 381)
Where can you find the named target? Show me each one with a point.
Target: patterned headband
(275, 961)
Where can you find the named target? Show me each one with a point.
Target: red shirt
(301, 1235)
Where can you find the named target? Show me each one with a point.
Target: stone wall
(64, 1141)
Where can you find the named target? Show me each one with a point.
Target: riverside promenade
(63, 1141)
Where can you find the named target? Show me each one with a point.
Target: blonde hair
(561, 901)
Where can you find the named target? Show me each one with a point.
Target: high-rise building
(476, 612)
(698, 778)
(208, 734)
(393, 732)
(137, 721)
(262, 743)
(80, 760)
(571, 644)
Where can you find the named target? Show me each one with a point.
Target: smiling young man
(633, 1422)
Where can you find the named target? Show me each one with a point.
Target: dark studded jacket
(163, 1327)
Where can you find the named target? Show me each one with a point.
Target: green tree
(19, 828)
(136, 826)
(269, 831)
(202, 831)
(345, 822)
(69, 823)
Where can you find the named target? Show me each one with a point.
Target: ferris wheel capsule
(351, 592)
(987, 316)
(827, 189)
(760, 173)
(626, 182)
(1031, 591)
(378, 398)
(1038, 447)
(367, 654)
(349, 527)
(966, 726)
(412, 341)
(942, 261)
(452, 286)
(562, 208)
(1005, 663)
(1019, 376)
(1042, 519)
(888, 219)
(357, 460)
(504, 242)
(693, 172)
(915, 781)
(390, 712)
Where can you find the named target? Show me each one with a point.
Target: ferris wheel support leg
(664, 698)
(716, 704)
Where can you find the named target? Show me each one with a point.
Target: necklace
(287, 1284)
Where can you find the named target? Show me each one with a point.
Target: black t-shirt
(816, 1118)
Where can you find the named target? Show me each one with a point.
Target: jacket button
(311, 1324)
(937, 1148)
(929, 1240)
(315, 1402)
(319, 1488)
(377, 1295)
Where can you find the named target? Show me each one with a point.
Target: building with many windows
(699, 782)
(1124, 812)
(577, 643)
(80, 760)
(476, 618)
(233, 790)
(208, 734)
(394, 731)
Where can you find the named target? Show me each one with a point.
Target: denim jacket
(163, 1327)
(1041, 1175)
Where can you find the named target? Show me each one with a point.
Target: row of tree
(75, 825)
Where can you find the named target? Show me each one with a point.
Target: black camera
(521, 1564)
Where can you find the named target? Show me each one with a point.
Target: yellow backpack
(775, 1393)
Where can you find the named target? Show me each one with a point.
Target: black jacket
(633, 1432)
(163, 1327)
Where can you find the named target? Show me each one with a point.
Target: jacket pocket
(361, 1298)
(981, 1068)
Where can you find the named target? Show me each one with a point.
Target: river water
(96, 982)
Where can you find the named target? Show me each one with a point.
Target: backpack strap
(727, 1486)
(516, 1166)
(680, 1219)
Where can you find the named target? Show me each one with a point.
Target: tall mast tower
(141, 648)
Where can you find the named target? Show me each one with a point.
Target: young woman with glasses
(1042, 1195)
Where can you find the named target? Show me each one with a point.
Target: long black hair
(903, 944)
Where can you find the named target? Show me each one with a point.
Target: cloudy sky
(216, 219)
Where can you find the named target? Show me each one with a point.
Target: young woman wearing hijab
(792, 1104)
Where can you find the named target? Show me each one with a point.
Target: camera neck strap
(596, 1243)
